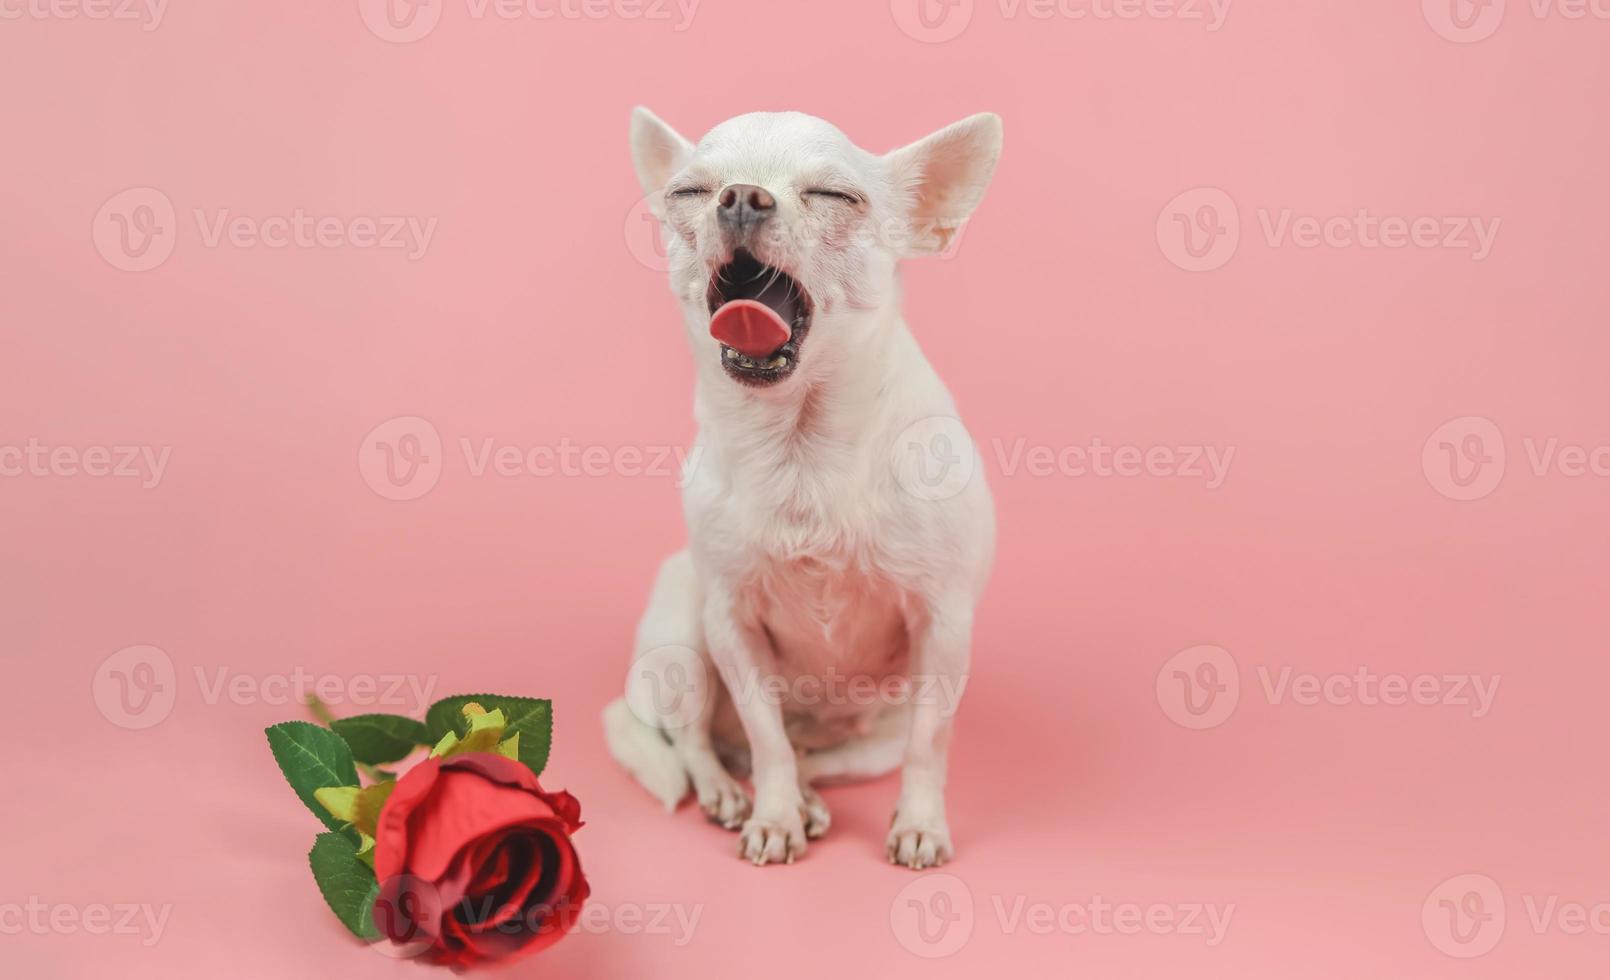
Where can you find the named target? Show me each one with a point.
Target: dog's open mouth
(760, 314)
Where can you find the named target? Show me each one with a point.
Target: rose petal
(497, 768)
(499, 905)
(464, 809)
(556, 903)
(511, 773)
(391, 831)
(552, 910)
(456, 882)
(408, 910)
(494, 862)
(568, 808)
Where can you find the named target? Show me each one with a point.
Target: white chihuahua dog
(815, 575)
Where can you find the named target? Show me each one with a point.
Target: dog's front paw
(772, 840)
(919, 844)
(723, 800)
(814, 812)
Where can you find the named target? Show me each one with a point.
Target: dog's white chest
(838, 634)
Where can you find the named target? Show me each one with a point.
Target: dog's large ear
(942, 178)
(658, 151)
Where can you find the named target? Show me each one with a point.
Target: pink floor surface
(1354, 253)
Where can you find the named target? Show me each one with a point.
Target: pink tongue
(750, 328)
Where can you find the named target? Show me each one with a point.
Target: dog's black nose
(743, 206)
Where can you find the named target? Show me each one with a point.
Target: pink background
(532, 321)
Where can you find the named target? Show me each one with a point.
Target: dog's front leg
(775, 830)
(919, 836)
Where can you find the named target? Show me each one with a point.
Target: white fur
(807, 558)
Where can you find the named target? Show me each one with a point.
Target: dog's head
(781, 210)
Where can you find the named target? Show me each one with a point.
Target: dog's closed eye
(689, 191)
(846, 196)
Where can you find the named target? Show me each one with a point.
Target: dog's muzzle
(741, 210)
(754, 306)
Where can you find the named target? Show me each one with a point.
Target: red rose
(475, 862)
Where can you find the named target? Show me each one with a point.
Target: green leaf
(312, 758)
(340, 802)
(366, 853)
(371, 800)
(529, 718)
(443, 748)
(348, 884)
(379, 739)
